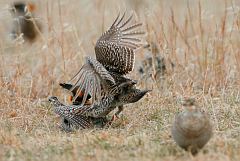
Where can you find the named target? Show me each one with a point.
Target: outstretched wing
(91, 79)
(115, 48)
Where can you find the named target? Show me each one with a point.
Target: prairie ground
(199, 41)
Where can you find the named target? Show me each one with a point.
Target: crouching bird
(88, 116)
(191, 128)
(104, 78)
(24, 22)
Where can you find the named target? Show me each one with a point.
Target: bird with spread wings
(104, 78)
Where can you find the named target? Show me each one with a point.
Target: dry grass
(201, 38)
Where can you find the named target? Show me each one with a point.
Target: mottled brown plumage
(115, 54)
(77, 116)
(77, 121)
(104, 78)
(115, 48)
(191, 129)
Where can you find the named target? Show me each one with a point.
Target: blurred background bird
(153, 66)
(24, 24)
(191, 128)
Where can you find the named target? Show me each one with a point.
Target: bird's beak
(146, 91)
(134, 82)
(51, 99)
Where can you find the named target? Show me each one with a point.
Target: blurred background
(199, 39)
(191, 49)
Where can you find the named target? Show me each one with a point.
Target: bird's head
(54, 101)
(21, 8)
(132, 95)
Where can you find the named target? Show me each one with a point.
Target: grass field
(202, 40)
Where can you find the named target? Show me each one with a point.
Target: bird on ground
(67, 125)
(75, 116)
(131, 95)
(104, 78)
(128, 95)
(24, 22)
(191, 128)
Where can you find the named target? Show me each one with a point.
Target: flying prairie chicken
(104, 78)
(24, 22)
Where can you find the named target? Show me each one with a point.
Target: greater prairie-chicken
(104, 78)
(191, 128)
(153, 65)
(24, 22)
(86, 116)
(86, 122)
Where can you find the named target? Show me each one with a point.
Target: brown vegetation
(202, 39)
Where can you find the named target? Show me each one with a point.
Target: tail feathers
(66, 85)
(74, 91)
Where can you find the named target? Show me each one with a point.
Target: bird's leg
(120, 109)
(116, 115)
(107, 104)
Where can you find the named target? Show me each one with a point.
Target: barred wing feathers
(91, 79)
(115, 48)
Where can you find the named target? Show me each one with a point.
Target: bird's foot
(114, 118)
